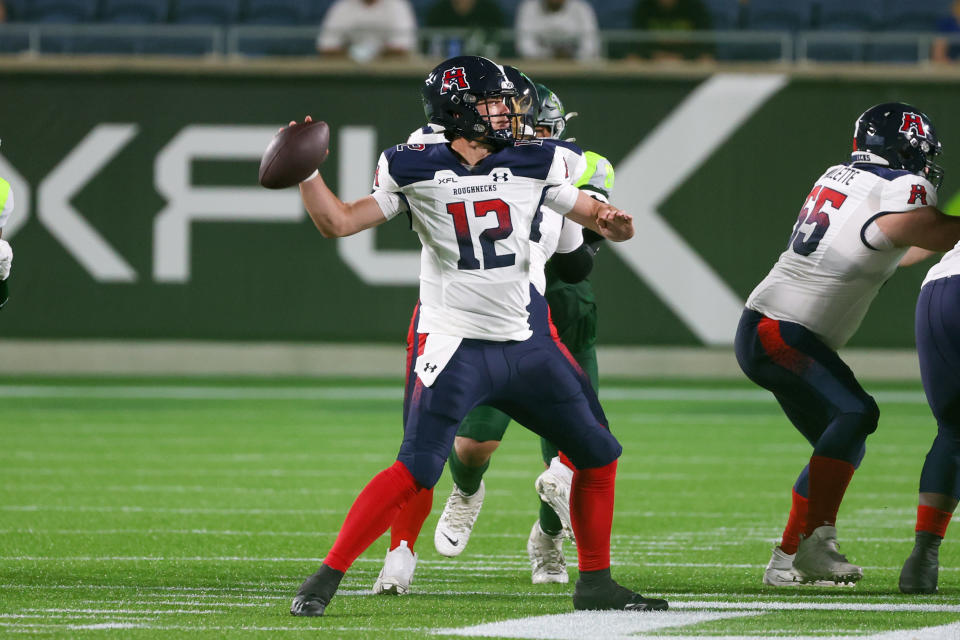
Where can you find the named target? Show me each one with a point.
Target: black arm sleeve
(574, 266)
(4, 292)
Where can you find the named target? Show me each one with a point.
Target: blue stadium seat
(725, 14)
(135, 11)
(276, 12)
(420, 8)
(916, 15)
(849, 15)
(62, 11)
(16, 11)
(14, 42)
(778, 15)
(220, 12)
(614, 14)
(509, 8)
(316, 9)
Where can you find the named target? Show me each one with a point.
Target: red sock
(409, 522)
(932, 520)
(591, 514)
(795, 524)
(829, 478)
(372, 512)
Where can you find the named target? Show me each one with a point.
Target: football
(294, 153)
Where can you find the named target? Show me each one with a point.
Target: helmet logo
(912, 121)
(454, 79)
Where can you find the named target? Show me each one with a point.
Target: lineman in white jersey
(938, 346)
(472, 202)
(855, 225)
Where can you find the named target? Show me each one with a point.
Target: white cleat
(780, 573)
(553, 486)
(546, 557)
(397, 572)
(456, 521)
(819, 559)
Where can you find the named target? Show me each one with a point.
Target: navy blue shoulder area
(879, 170)
(526, 158)
(411, 163)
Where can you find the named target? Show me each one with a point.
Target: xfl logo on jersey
(454, 78)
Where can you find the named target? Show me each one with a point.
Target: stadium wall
(139, 217)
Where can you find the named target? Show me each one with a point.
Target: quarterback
(857, 222)
(473, 203)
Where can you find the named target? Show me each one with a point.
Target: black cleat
(597, 591)
(919, 573)
(307, 607)
(315, 593)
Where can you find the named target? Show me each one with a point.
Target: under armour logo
(429, 368)
(498, 177)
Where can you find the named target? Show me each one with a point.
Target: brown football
(294, 154)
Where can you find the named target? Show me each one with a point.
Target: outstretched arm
(925, 227)
(335, 218)
(605, 219)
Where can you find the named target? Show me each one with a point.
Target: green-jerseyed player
(574, 313)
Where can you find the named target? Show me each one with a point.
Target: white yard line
(366, 393)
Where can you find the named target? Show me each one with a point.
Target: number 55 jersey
(475, 225)
(837, 258)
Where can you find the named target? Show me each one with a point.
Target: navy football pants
(536, 382)
(938, 346)
(815, 388)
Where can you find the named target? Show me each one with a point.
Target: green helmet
(552, 115)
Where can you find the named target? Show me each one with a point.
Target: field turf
(168, 508)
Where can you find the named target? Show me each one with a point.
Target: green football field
(168, 508)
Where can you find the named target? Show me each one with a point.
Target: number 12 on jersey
(813, 221)
(488, 237)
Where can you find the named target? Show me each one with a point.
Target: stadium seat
(916, 15)
(778, 15)
(725, 14)
(14, 42)
(16, 10)
(135, 11)
(614, 14)
(509, 8)
(220, 12)
(276, 12)
(849, 15)
(62, 11)
(316, 9)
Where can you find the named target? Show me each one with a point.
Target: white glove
(6, 259)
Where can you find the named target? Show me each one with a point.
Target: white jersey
(837, 258)
(551, 233)
(475, 226)
(949, 265)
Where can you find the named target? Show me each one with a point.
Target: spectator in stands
(482, 17)
(367, 29)
(3, 11)
(673, 15)
(557, 29)
(943, 50)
